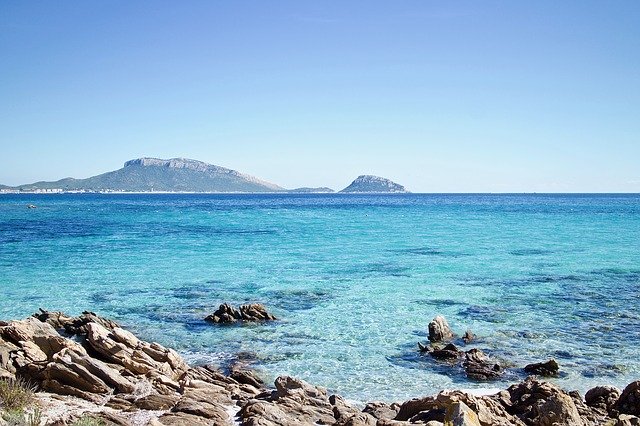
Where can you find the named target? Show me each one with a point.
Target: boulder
(448, 352)
(558, 409)
(478, 366)
(227, 314)
(381, 410)
(602, 398)
(157, 402)
(359, 419)
(73, 325)
(627, 420)
(439, 330)
(489, 411)
(459, 414)
(182, 419)
(629, 401)
(468, 337)
(410, 408)
(544, 404)
(548, 368)
(293, 402)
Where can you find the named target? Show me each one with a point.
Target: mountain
(173, 175)
(369, 183)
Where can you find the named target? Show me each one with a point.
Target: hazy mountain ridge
(173, 175)
(185, 175)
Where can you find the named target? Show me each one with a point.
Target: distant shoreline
(305, 193)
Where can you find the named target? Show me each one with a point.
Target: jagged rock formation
(88, 366)
(373, 184)
(227, 314)
(173, 175)
(439, 330)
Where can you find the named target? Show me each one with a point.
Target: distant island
(186, 175)
(369, 183)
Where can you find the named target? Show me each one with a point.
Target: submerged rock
(439, 330)
(227, 314)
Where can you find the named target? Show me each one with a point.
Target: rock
(205, 409)
(31, 330)
(341, 410)
(629, 401)
(549, 368)
(435, 415)
(73, 325)
(489, 410)
(602, 398)
(425, 348)
(360, 419)
(157, 402)
(138, 358)
(449, 352)
(293, 402)
(627, 420)
(381, 410)
(459, 414)
(478, 366)
(468, 337)
(247, 377)
(544, 404)
(410, 408)
(182, 419)
(439, 330)
(227, 314)
(559, 409)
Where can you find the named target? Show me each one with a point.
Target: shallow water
(355, 279)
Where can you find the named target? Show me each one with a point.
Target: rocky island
(373, 184)
(154, 174)
(87, 370)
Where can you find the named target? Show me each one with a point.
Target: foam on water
(354, 278)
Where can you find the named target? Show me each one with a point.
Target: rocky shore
(87, 370)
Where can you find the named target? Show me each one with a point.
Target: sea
(353, 278)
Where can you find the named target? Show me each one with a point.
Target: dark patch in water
(299, 299)
(377, 269)
(439, 302)
(192, 292)
(484, 313)
(603, 370)
(426, 251)
(422, 251)
(530, 252)
(101, 298)
(197, 326)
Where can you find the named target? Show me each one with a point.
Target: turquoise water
(355, 279)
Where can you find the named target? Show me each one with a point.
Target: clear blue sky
(439, 96)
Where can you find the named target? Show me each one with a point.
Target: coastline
(89, 367)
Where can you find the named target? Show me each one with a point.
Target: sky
(492, 96)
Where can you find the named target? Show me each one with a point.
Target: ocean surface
(355, 279)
